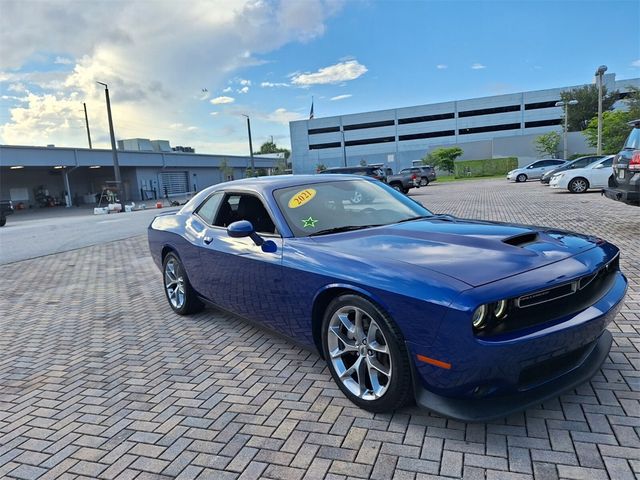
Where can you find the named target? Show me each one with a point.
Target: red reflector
(433, 361)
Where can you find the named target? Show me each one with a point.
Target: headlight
(500, 309)
(479, 317)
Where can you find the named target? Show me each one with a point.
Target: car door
(239, 275)
(535, 170)
(600, 173)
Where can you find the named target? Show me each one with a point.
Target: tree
(225, 170)
(615, 129)
(632, 101)
(587, 107)
(320, 167)
(363, 162)
(270, 147)
(547, 144)
(443, 158)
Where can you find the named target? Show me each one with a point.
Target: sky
(187, 71)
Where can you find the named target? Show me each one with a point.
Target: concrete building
(487, 127)
(77, 174)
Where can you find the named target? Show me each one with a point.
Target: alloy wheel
(174, 283)
(357, 197)
(359, 353)
(578, 185)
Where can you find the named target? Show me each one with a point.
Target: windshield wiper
(443, 216)
(345, 228)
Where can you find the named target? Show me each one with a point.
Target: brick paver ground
(99, 379)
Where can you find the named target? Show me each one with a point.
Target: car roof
(275, 182)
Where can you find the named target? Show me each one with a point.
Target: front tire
(396, 186)
(180, 294)
(366, 354)
(521, 178)
(424, 181)
(3, 221)
(578, 185)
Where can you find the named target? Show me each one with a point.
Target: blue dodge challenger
(471, 319)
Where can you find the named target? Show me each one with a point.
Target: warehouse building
(488, 127)
(42, 176)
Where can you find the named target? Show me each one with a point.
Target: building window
(543, 123)
(416, 136)
(320, 146)
(426, 118)
(489, 128)
(369, 141)
(359, 126)
(315, 131)
(488, 111)
(537, 105)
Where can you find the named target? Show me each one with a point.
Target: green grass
(451, 178)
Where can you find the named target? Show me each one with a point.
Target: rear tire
(366, 354)
(424, 181)
(578, 185)
(180, 294)
(521, 178)
(396, 186)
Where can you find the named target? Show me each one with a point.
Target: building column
(65, 176)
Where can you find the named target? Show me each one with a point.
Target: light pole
(86, 121)
(566, 121)
(114, 150)
(599, 73)
(253, 167)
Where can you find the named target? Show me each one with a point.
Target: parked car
(595, 175)
(534, 170)
(624, 184)
(577, 163)
(404, 181)
(473, 319)
(426, 174)
(6, 208)
(366, 171)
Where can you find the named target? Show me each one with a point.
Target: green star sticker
(309, 222)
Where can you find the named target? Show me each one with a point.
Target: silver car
(534, 170)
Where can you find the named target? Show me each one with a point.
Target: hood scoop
(522, 239)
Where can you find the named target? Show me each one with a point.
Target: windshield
(634, 139)
(329, 207)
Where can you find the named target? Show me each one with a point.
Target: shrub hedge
(485, 167)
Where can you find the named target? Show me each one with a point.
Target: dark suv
(6, 208)
(367, 171)
(577, 163)
(426, 174)
(624, 184)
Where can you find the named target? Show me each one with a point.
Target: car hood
(474, 252)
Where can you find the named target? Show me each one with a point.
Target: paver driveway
(98, 378)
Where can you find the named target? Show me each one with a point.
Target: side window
(237, 207)
(608, 162)
(535, 165)
(207, 210)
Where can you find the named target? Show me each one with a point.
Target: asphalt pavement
(32, 235)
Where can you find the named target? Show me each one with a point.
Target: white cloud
(283, 116)
(338, 73)
(17, 87)
(144, 63)
(213, 114)
(222, 100)
(227, 90)
(636, 63)
(477, 66)
(244, 82)
(243, 90)
(341, 97)
(272, 85)
(442, 66)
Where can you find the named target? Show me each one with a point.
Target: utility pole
(599, 73)
(86, 121)
(114, 150)
(566, 122)
(344, 149)
(253, 167)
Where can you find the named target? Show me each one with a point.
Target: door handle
(207, 240)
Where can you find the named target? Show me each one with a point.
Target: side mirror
(240, 229)
(244, 228)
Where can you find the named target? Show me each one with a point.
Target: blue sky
(268, 58)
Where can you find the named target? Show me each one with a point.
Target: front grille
(555, 303)
(551, 368)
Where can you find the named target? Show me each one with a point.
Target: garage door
(175, 183)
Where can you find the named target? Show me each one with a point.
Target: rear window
(634, 139)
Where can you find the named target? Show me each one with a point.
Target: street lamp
(599, 73)
(253, 167)
(566, 121)
(114, 150)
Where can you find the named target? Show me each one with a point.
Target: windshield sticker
(309, 222)
(302, 197)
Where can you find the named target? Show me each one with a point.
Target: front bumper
(485, 409)
(625, 196)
